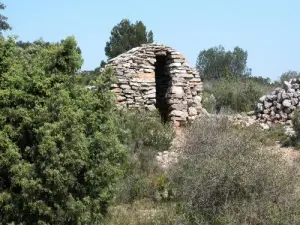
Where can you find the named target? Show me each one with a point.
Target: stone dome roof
(154, 76)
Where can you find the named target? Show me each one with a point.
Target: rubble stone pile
(155, 76)
(279, 105)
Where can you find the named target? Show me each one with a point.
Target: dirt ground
(288, 153)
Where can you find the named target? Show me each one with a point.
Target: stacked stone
(136, 84)
(278, 107)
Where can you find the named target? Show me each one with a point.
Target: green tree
(216, 63)
(289, 75)
(261, 80)
(125, 36)
(102, 64)
(3, 20)
(60, 154)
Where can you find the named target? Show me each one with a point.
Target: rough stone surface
(280, 105)
(156, 76)
(286, 103)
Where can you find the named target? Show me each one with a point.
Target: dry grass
(289, 154)
(226, 175)
(226, 178)
(143, 212)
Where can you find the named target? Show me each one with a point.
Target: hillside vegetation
(68, 155)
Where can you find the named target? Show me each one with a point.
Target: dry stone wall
(279, 105)
(155, 76)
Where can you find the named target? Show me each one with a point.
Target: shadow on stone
(162, 82)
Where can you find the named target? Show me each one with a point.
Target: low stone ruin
(155, 76)
(279, 105)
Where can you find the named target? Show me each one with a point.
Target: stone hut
(155, 76)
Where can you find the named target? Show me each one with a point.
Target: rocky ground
(167, 158)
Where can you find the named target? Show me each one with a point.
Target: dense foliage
(216, 63)
(125, 36)
(228, 81)
(60, 153)
(238, 95)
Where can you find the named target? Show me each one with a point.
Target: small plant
(161, 185)
(209, 102)
(161, 182)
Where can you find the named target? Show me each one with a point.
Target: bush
(295, 139)
(144, 135)
(145, 130)
(240, 95)
(296, 123)
(225, 177)
(60, 155)
(275, 134)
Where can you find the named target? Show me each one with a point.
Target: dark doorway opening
(162, 81)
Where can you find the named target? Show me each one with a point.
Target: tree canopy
(125, 36)
(60, 154)
(289, 75)
(216, 63)
(3, 20)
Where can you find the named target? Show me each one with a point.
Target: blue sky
(267, 29)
